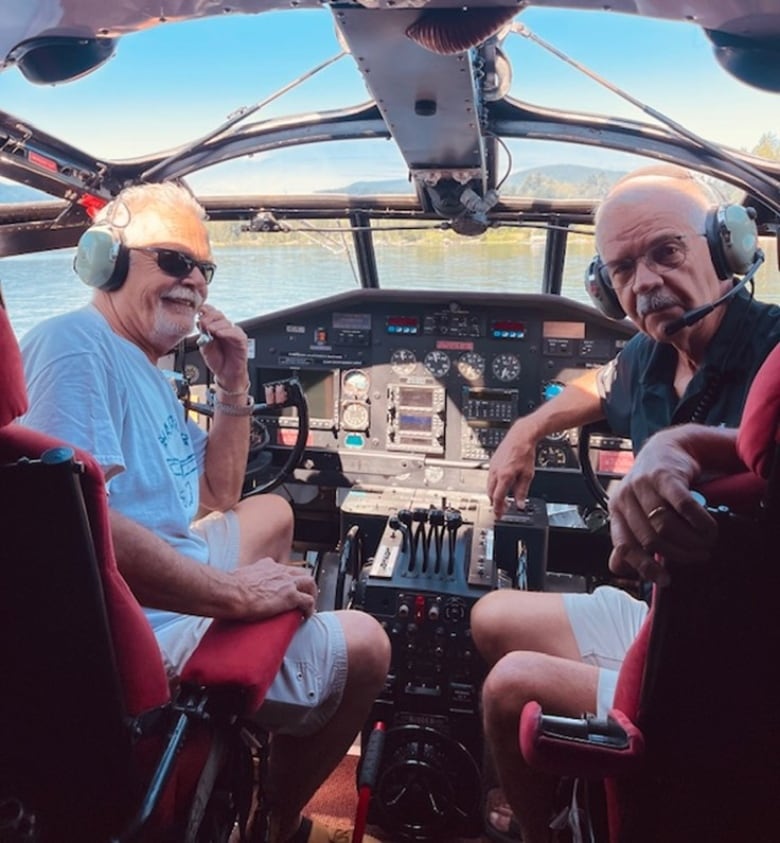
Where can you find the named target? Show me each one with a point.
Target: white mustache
(653, 302)
(183, 294)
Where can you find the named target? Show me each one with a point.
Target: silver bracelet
(231, 393)
(236, 409)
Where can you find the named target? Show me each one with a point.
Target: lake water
(252, 281)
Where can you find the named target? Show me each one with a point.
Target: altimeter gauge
(506, 367)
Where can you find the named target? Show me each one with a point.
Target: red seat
(694, 752)
(93, 745)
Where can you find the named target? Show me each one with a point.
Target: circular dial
(550, 456)
(403, 361)
(356, 383)
(354, 416)
(437, 362)
(506, 367)
(471, 365)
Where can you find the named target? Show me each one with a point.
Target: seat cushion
(246, 655)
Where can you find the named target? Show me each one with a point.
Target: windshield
(177, 82)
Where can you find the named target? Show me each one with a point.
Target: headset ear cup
(732, 237)
(101, 259)
(601, 291)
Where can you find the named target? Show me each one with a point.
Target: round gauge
(356, 383)
(191, 373)
(354, 416)
(551, 389)
(471, 365)
(403, 361)
(506, 367)
(437, 362)
(550, 456)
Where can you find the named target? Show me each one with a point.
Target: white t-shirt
(92, 388)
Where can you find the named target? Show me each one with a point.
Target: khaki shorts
(605, 623)
(310, 683)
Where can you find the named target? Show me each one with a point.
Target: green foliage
(768, 146)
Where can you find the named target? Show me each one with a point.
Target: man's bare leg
(561, 686)
(506, 621)
(266, 526)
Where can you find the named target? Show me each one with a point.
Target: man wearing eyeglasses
(93, 381)
(565, 650)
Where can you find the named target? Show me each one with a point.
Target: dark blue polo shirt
(637, 387)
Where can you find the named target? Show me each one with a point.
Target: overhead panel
(429, 101)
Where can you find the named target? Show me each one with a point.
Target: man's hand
(512, 466)
(653, 514)
(269, 588)
(511, 469)
(226, 354)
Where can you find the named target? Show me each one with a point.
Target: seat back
(703, 692)
(67, 753)
(696, 696)
(85, 708)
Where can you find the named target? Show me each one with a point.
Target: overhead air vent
(754, 61)
(451, 31)
(58, 58)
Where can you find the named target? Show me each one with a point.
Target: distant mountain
(555, 181)
(561, 181)
(363, 188)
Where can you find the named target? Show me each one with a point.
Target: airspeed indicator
(437, 362)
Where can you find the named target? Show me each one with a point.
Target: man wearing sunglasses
(189, 548)
(565, 650)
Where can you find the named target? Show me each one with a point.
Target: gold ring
(658, 510)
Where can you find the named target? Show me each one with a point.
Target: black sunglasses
(177, 264)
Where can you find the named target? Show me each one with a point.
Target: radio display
(415, 397)
(409, 423)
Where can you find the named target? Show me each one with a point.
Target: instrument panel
(419, 388)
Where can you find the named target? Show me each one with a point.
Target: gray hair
(167, 199)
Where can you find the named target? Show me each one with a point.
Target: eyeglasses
(665, 254)
(177, 264)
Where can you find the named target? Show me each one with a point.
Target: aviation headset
(732, 237)
(102, 258)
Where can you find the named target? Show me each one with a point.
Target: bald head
(653, 191)
(650, 234)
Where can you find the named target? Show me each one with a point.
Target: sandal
(498, 811)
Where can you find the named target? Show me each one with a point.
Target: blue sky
(177, 81)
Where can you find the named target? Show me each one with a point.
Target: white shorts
(605, 623)
(308, 688)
